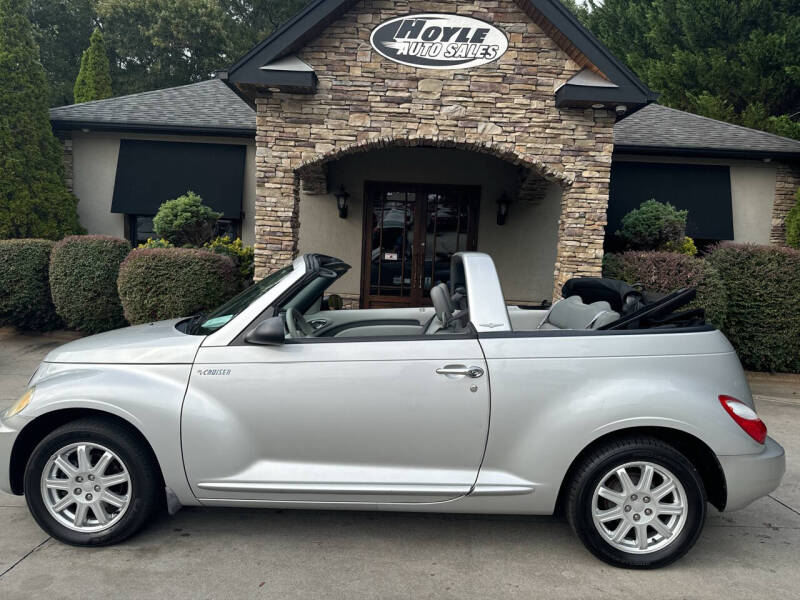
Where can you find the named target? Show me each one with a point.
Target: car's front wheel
(637, 503)
(90, 483)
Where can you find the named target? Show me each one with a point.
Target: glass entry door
(411, 232)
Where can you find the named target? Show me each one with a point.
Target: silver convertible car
(620, 409)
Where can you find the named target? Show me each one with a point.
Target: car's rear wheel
(637, 503)
(89, 483)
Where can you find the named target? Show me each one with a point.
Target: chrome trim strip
(336, 489)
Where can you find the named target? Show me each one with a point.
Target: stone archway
(583, 200)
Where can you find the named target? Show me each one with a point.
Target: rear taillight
(746, 418)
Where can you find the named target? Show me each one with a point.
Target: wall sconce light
(502, 209)
(341, 201)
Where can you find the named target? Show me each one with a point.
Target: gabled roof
(657, 129)
(551, 14)
(208, 107)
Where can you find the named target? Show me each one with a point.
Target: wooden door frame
(418, 264)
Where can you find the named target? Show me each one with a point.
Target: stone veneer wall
(786, 186)
(67, 158)
(506, 108)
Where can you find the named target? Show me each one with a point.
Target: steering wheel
(298, 326)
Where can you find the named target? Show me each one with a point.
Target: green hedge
(24, 285)
(83, 281)
(165, 283)
(762, 284)
(666, 272)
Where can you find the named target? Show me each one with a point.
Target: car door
(328, 420)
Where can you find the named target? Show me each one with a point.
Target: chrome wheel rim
(639, 507)
(86, 487)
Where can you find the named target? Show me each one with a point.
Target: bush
(185, 221)
(241, 255)
(763, 298)
(686, 247)
(83, 281)
(165, 283)
(151, 243)
(654, 226)
(24, 285)
(793, 225)
(666, 272)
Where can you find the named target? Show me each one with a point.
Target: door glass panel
(392, 249)
(447, 232)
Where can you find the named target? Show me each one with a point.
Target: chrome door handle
(473, 372)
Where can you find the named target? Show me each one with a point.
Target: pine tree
(94, 78)
(34, 200)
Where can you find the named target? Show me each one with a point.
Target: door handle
(472, 372)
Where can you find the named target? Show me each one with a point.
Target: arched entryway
(414, 202)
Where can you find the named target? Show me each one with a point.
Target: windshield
(208, 324)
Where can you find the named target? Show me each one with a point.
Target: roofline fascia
(579, 96)
(70, 125)
(563, 20)
(705, 153)
(324, 7)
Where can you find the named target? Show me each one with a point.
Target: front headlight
(20, 404)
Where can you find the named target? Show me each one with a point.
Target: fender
(149, 397)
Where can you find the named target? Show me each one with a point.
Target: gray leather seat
(572, 313)
(443, 306)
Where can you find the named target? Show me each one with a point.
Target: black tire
(592, 470)
(145, 480)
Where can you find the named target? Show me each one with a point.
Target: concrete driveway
(227, 553)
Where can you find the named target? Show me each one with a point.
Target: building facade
(394, 134)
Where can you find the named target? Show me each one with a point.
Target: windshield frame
(238, 304)
(231, 330)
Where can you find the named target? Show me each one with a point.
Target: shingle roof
(657, 127)
(211, 107)
(205, 107)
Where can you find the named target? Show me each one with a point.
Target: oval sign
(439, 41)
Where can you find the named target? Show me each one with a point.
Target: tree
(61, 29)
(94, 78)
(34, 200)
(725, 59)
(185, 221)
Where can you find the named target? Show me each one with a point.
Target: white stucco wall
(94, 160)
(95, 157)
(524, 249)
(752, 192)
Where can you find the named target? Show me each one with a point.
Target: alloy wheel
(86, 487)
(639, 507)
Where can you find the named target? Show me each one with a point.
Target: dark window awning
(150, 173)
(703, 190)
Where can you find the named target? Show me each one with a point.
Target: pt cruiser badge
(439, 41)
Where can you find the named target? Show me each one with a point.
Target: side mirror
(270, 332)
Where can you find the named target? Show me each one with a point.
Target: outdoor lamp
(341, 201)
(502, 209)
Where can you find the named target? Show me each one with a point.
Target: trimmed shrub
(793, 225)
(666, 272)
(83, 281)
(185, 221)
(166, 283)
(654, 226)
(763, 298)
(24, 285)
(242, 256)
